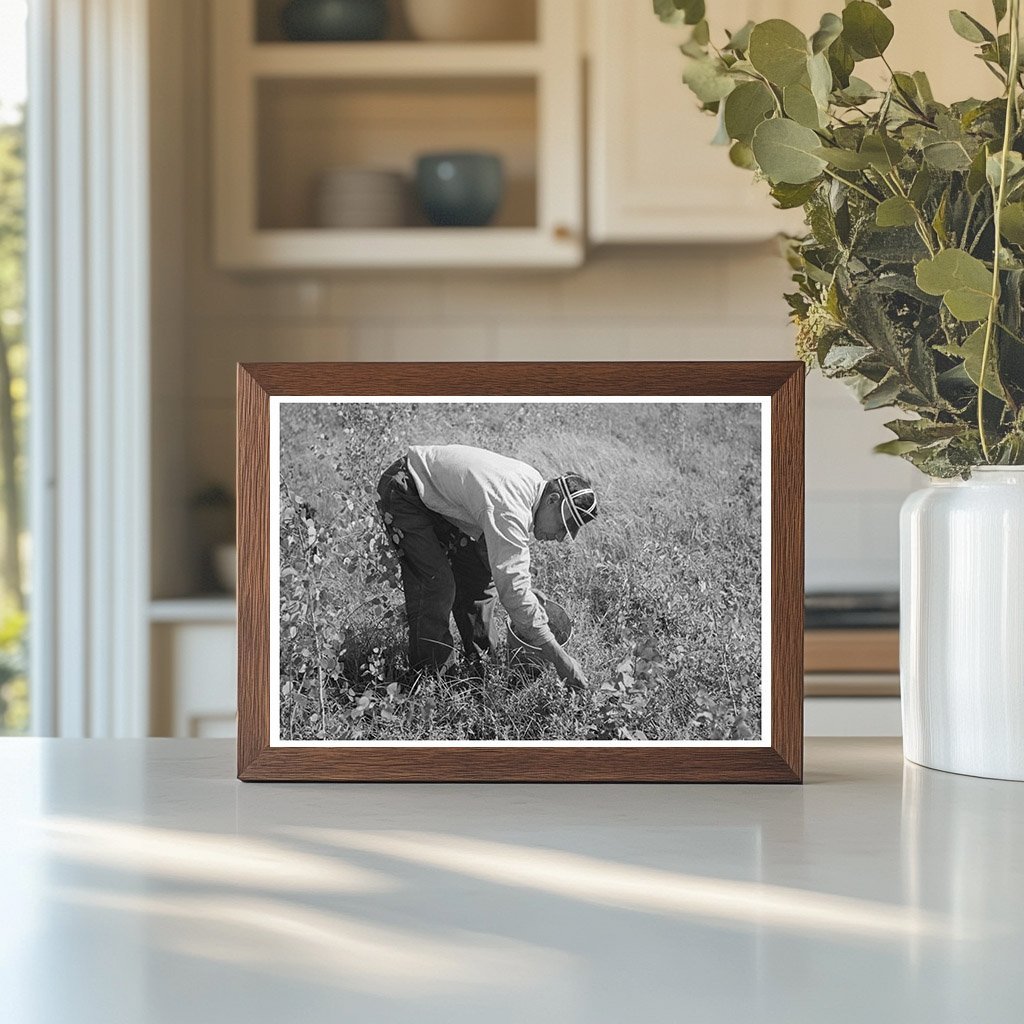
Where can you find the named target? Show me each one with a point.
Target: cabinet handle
(563, 232)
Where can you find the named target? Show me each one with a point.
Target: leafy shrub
(910, 279)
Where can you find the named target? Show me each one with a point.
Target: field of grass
(664, 589)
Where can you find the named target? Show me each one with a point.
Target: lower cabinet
(193, 675)
(852, 716)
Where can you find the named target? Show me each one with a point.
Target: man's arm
(567, 667)
(509, 554)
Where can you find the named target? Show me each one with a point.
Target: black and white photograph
(531, 571)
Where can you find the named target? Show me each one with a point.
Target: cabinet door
(653, 174)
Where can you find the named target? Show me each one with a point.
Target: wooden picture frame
(775, 757)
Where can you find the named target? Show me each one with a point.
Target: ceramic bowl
(358, 197)
(470, 20)
(334, 20)
(460, 189)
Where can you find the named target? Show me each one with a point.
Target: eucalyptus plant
(909, 281)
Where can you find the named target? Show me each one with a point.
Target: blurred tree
(12, 350)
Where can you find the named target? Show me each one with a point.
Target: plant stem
(855, 187)
(981, 231)
(1012, 334)
(993, 309)
(922, 225)
(768, 85)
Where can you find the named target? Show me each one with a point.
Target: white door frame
(89, 329)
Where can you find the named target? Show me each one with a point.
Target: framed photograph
(517, 572)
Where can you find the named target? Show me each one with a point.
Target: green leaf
(963, 281)
(976, 174)
(841, 60)
(1012, 223)
(895, 447)
(694, 49)
(789, 197)
(921, 185)
(820, 76)
(906, 89)
(968, 28)
(785, 152)
(745, 108)
(739, 41)
(676, 12)
(924, 88)
(844, 159)
(742, 155)
(1014, 169)
(939, 220)
(667, 11)
(778, 50)
(883, 153)
(830, 28)
(800, 105)
(896, 212)
(971, 352)
(701, 33)
(708, 80)
(923, 431)
(858, 91)
(866, 29)
(999, 7)
(885, 394)
(946, 156)
(694, 11)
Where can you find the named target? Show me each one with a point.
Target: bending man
(460, 519)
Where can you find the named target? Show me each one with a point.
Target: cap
(579, 502)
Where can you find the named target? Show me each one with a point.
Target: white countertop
(143, 885)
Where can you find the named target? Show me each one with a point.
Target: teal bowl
(333, 21)
(461, 190)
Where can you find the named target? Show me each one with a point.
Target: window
(14, 549)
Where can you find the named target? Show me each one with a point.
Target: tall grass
(664, 589)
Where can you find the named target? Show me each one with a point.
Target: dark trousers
(444, 573)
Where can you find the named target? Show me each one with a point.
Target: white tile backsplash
(718, 302)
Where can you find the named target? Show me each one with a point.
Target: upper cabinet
(654, 175)
(317, 143)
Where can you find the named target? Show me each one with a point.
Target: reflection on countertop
(877, 891)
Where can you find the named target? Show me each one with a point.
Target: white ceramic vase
(962, 624)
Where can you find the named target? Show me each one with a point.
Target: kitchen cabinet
(287, 113)
(653, 175)
(193, 670)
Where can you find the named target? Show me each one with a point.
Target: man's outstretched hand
(568, 668)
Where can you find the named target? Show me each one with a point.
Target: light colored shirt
(489, 495)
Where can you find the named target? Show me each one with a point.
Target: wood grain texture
(781, 762)
(788, 569)
(252, 487)
(852, 650)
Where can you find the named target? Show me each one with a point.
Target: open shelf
(519, 16)
(393, 60)
(287, 113)
(308, 127)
